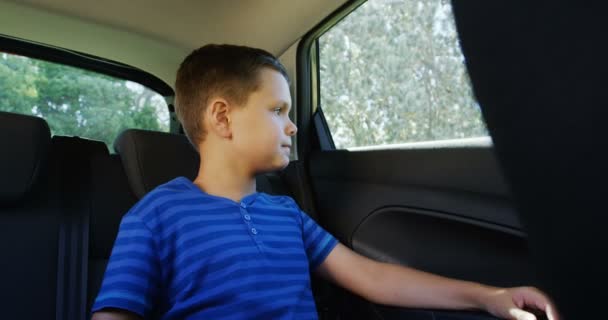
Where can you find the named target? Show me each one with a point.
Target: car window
(77, 102)
(392, 72)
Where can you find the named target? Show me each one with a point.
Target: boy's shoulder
(160, 196)
(172, 188)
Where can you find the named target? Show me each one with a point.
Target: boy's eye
(278, 110)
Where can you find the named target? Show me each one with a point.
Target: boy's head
(230, 94)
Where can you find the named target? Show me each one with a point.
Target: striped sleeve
(317, 241)
(132, 277)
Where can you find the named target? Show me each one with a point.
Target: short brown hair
(227, 70)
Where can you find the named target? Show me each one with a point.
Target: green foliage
(78, 102)
(393, 72)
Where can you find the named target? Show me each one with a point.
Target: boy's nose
(291, 129)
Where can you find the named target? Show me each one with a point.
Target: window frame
(308, 85)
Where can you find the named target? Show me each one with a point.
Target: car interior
(519, 204)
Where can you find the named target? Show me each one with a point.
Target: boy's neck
(220, 177)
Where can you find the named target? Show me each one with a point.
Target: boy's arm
(114, 314)
(395, 285)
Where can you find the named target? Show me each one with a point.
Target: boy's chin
(281, 166)
(276, 166)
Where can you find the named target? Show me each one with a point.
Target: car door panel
(443, 210)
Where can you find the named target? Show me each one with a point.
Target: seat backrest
(44, 209)
(29, 220)
(152, 158)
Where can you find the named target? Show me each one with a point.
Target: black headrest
(24, 144)
(151, 158)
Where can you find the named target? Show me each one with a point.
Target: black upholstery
(152, 158)
(24, 141)
(111, 197)
(29, 220)
(44, 206)
(73, 160)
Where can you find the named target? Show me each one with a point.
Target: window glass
(393, 72)
(77, 102)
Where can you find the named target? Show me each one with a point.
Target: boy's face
(261, 129)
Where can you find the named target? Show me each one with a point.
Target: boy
(214, 248)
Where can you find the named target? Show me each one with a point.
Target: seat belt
(295, 176)
(296, 179)
(74, 168)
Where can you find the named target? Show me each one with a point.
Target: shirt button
(254, 231)
(247, 217)
(244, 206)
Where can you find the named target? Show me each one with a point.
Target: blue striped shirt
(183, 254)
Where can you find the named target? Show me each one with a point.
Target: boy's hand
(517, 303)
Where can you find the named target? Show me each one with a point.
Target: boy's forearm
(407, 287)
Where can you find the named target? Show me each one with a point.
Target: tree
(17, 90)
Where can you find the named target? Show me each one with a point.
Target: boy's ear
(218, 118)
